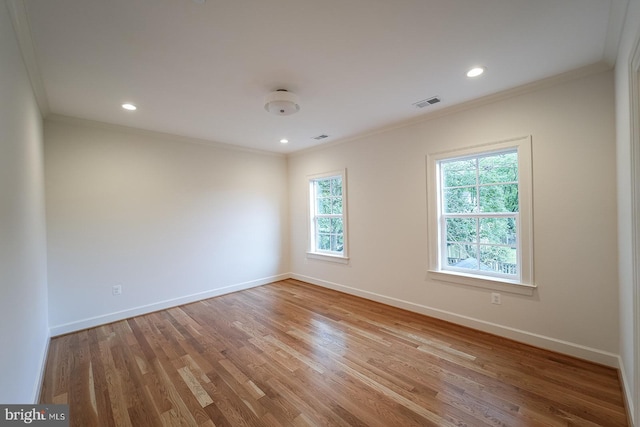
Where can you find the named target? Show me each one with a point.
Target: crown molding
(578, 73)
(617, 15)
(21, 27)
(94, 124)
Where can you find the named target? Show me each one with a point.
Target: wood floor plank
(180, 409)
(293, 354)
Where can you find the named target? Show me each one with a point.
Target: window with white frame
(328, 219)
(480, 215)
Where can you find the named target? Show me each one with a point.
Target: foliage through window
(327, 205)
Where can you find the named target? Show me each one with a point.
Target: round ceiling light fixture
(282, 103)
(129, 106)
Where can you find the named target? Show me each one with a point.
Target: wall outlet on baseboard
(116, 290)
(495, 298)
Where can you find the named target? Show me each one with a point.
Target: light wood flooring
(290, 353)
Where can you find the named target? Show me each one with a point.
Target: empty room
(349, 213)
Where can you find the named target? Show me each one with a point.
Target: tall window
(480, 207)
(479, 213)
(327, 230)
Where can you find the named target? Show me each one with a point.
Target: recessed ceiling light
(284, 140)
(475, 72)
(129, 107)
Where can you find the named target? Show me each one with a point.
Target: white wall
(629, 335)
(575, 308)
(168, 219)
(24, 331)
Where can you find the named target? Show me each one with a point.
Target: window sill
(495, 284)
(327, 257)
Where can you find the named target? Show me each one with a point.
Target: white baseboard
(561, 346)
(161, 305)
(627, 391)
(537, 340)
(37, 388)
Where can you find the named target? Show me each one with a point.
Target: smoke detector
(282, 103)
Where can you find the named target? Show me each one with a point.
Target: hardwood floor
(290, 353)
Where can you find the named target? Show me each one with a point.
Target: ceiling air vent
(320, 137)
(427, 102)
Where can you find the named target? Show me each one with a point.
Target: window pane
(336, 225)
(336, 205)
(459, 173)
(323, 188)
(324, 206)
(498, 231)
(498, 259)
(460, 200)
(499, 168)
(324, 242)
(462, 256)
(461, 230)
(336, 187)
(324, 225)
(499, 198)
(336, 243)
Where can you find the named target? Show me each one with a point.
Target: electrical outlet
(495, 298)
(116, 290)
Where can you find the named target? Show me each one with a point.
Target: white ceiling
(202, 70)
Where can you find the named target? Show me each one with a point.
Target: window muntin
(328, 215)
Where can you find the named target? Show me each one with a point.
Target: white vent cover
(427, 102)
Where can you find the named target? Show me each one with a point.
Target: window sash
(478, 243)
(318, 233)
